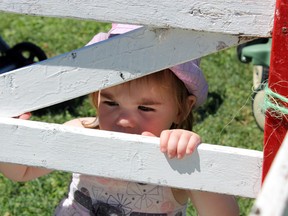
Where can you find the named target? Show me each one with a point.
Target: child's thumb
(147, 133)
(25, 116)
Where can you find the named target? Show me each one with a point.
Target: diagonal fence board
(236, 17)
(129, 157)
(104, 64)
(273, 197)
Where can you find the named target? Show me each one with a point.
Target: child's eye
(110, 103)
(145, 109)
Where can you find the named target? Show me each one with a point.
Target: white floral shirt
(91, 195)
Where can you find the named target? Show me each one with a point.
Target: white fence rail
(245, 17)
(130, 157)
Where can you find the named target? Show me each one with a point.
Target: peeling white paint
(230, 16)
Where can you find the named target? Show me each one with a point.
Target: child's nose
(126, 120)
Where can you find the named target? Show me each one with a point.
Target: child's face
(136, 107)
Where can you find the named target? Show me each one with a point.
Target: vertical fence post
(276, 124)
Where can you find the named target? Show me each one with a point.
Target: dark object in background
(20, 55)
(24, 54)
(257, 52)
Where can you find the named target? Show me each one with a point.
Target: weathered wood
(273, 197)
(247, 17)
(135, 158)
(104, 64)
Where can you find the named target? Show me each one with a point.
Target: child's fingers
(173, 142)
(164, 137)
(178, 142)
(194, 141)
(168, 142)
(183, 144)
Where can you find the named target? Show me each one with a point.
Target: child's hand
(24, 116)
(177, 142)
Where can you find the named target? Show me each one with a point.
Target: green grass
(226, 119)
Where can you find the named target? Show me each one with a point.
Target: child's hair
(167, 81)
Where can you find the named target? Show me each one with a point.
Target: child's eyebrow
(149, 101)
(107, 95)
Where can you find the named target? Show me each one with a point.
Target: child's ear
(189, 103)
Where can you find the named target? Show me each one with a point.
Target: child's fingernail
(170, 156)
(189, 151)
(179, 156)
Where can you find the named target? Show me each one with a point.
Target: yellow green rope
(273, 102)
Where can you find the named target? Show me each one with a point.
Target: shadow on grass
(214, 101)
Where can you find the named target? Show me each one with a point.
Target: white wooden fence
(204, 28)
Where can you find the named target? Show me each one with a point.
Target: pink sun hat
(189, 72)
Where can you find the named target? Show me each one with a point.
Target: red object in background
(276, 126)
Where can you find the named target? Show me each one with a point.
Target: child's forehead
(162, 78)
(145, 85)
(156, 81)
